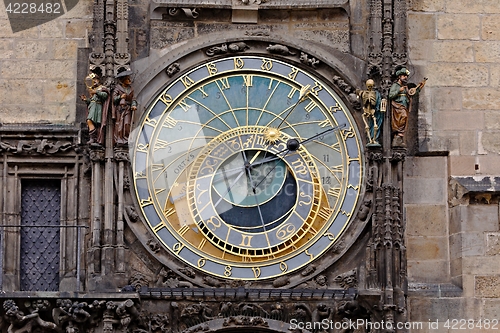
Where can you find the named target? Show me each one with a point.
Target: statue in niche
(97, 106)
(124, 106)
(374, 108)
(401, 94)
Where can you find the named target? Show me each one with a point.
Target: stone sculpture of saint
(97, 105)
(124, 106)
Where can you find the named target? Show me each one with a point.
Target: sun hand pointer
(304, 91)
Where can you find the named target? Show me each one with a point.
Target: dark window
(40, 244)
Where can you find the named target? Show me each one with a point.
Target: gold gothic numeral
(283, 266)
(329, 235)
(201, 262)
(167, 99)
(212, 69)
(317, 87)
(256, 271)
(177, 247)
(309, 254)
(293, 74)
(228, 271)
(187, 81)
(335, 108)
(150, 122)
(143, 147)
(266, 65)
(146, 202)
(238, 63)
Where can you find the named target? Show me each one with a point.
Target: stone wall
(453, 230)
(38, 68)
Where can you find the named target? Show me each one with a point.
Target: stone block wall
(38, 68)
(456, 44)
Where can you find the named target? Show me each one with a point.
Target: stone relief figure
(97, 106)
(373, 112)
(124, 106)
(400, 95)
(20, 323)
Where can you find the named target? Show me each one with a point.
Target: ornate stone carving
(138, 280)
(245, 321)
(42, 147)
(212, 282)
(191, 13)
(280, 49)
(168, 279)
(225, 48)
(310, 61)
(153, 245)
(338, 247)
(365, 209)
(281, 281)
(347, 279)
(196, 313)
(173, 69)
(20, 323)
(131, 213)
(253, 2)
(159, 323)
(308, 270)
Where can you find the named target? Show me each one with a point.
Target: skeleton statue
(374, 108)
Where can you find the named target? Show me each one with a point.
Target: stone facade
(116, 277)
(452, 222)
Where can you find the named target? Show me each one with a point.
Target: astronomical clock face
(247, 167)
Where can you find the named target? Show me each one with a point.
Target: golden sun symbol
(272, 135)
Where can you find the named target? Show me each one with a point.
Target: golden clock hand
(304, 91)
(292, 145)
(256, 200)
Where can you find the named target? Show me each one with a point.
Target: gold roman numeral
(183, 230)
(325, 213)
(309, 107)
(224, 83)
(248, 80)
(246, 240)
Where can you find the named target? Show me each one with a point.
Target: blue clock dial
(223, 180)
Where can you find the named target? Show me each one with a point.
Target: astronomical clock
(247, 167)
